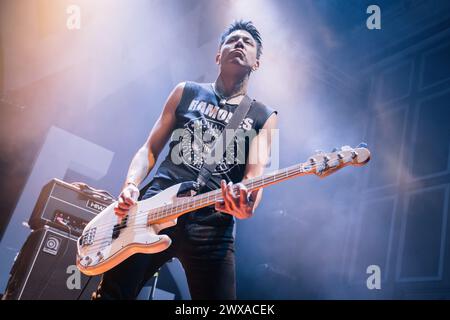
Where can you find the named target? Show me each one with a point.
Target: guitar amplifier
(68, 206)
(45, 269)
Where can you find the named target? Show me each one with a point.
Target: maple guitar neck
(188, 204)
(321, 165)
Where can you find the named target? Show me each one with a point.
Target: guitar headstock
(323, 164)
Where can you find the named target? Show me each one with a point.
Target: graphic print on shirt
(199, 136)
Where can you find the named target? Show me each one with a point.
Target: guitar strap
(209, 165)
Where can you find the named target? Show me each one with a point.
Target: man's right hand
(127, 198)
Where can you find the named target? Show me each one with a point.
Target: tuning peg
(362, 145)
(346, 148)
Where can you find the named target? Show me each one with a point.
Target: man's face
(238, 52)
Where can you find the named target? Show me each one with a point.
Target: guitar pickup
(118, 227)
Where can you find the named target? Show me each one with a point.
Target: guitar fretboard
(188, 204)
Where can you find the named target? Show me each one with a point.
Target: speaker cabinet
(45, 269)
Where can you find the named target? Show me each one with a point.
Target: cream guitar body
(107, 241)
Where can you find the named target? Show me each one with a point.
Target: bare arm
(145, 158)
(261, 149)
(259, 153)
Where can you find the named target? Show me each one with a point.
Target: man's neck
(228, 86)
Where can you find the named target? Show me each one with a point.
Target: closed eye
(245, 39)
(232, 39)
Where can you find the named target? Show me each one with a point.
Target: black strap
(208, 168)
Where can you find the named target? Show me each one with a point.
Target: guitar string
(181, 202)
(297, 169)
(176, 206)
(144, 225)
(103, 242)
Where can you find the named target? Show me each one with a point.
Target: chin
(236, 66)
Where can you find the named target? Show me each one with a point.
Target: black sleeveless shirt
(199, 120)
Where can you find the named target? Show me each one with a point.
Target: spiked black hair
(246, 26)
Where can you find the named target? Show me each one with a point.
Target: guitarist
(203, 241)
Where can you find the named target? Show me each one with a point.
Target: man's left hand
(237, 203)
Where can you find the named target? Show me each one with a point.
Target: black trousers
(208, 260)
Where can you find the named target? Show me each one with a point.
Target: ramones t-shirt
(199, 121)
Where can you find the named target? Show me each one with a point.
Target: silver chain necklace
(223, 100)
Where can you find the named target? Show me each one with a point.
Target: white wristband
(133, 183)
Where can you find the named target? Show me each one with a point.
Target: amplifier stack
(45, 266)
